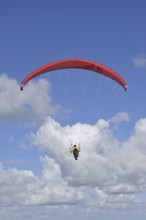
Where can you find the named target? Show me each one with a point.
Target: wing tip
(125, 88)
(21, 87)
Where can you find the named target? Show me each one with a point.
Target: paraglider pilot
(75, 150)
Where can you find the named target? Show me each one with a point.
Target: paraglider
(79, 64)
(76, 63)
(75, 150)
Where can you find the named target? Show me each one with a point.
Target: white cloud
(20, 190)
(104, 160)
(34, 102)
(120, 117)
(139, 62)
(109, 175)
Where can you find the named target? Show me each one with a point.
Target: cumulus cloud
(105, 161)
(120, 117)
(21, 189)
(110, 174)
(26, 196)
(33, 103)
(139, 62)
(25, 188)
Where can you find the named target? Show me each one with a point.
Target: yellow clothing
(73, 148)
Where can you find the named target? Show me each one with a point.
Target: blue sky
(39, 177)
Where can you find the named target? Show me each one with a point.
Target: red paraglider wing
(76, 63)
